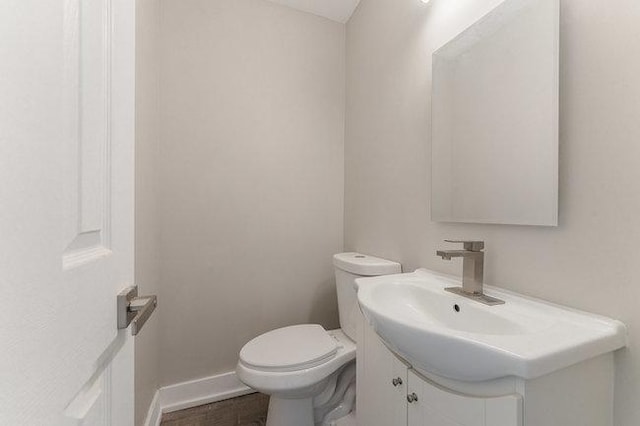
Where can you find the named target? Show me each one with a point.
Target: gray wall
(147, 238)
(590, 261)
(251, 177)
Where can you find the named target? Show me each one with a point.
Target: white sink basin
(458, 338)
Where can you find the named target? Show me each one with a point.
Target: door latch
(134, 310)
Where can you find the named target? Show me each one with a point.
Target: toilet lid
(290, 348)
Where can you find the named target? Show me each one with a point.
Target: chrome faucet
(472, 271)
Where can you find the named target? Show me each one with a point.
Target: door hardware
(134, 309)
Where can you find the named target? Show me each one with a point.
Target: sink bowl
(458, 338)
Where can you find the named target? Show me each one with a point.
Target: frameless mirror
(495, 118)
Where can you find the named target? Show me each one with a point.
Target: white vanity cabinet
(522, 363)
(390, 393)
(431, 405)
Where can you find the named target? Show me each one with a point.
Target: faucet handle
(469, 245)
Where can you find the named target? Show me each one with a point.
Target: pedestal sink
(458, 338)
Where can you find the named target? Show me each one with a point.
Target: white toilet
(310, 372)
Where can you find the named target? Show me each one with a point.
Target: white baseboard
(193, 393)
(154, 415)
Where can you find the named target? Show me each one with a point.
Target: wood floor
(249, 410)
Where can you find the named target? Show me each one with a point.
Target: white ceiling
(336, 10)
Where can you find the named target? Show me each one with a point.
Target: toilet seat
(292, 348)
(294, 382)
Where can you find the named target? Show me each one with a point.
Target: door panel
(380, 403)
(440, 407)
(87, 44)
(507, 410)
(66, 216)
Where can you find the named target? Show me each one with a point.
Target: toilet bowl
(309, 372)
(295, 377)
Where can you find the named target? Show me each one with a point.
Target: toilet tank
(348, 267)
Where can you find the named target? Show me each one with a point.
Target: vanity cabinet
(392, 393)
(431, 405)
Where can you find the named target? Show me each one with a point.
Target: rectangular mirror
(495, 118)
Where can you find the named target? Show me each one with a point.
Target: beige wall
(590, 261)
(251, 177)
(147, 274)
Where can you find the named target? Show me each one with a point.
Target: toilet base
(290, 412)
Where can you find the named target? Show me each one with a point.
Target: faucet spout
(449, 254)
(472, 270)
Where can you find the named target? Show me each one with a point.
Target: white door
(382, 383)
(431, 405)
(66, 210)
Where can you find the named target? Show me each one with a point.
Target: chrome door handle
(134, 310)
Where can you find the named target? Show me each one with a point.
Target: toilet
(310, 372)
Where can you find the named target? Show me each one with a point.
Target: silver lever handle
(469, 245)
(134, 310)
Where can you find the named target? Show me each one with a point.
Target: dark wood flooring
(248, 410)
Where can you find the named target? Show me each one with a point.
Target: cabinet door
(435, 406)
(382, 384)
